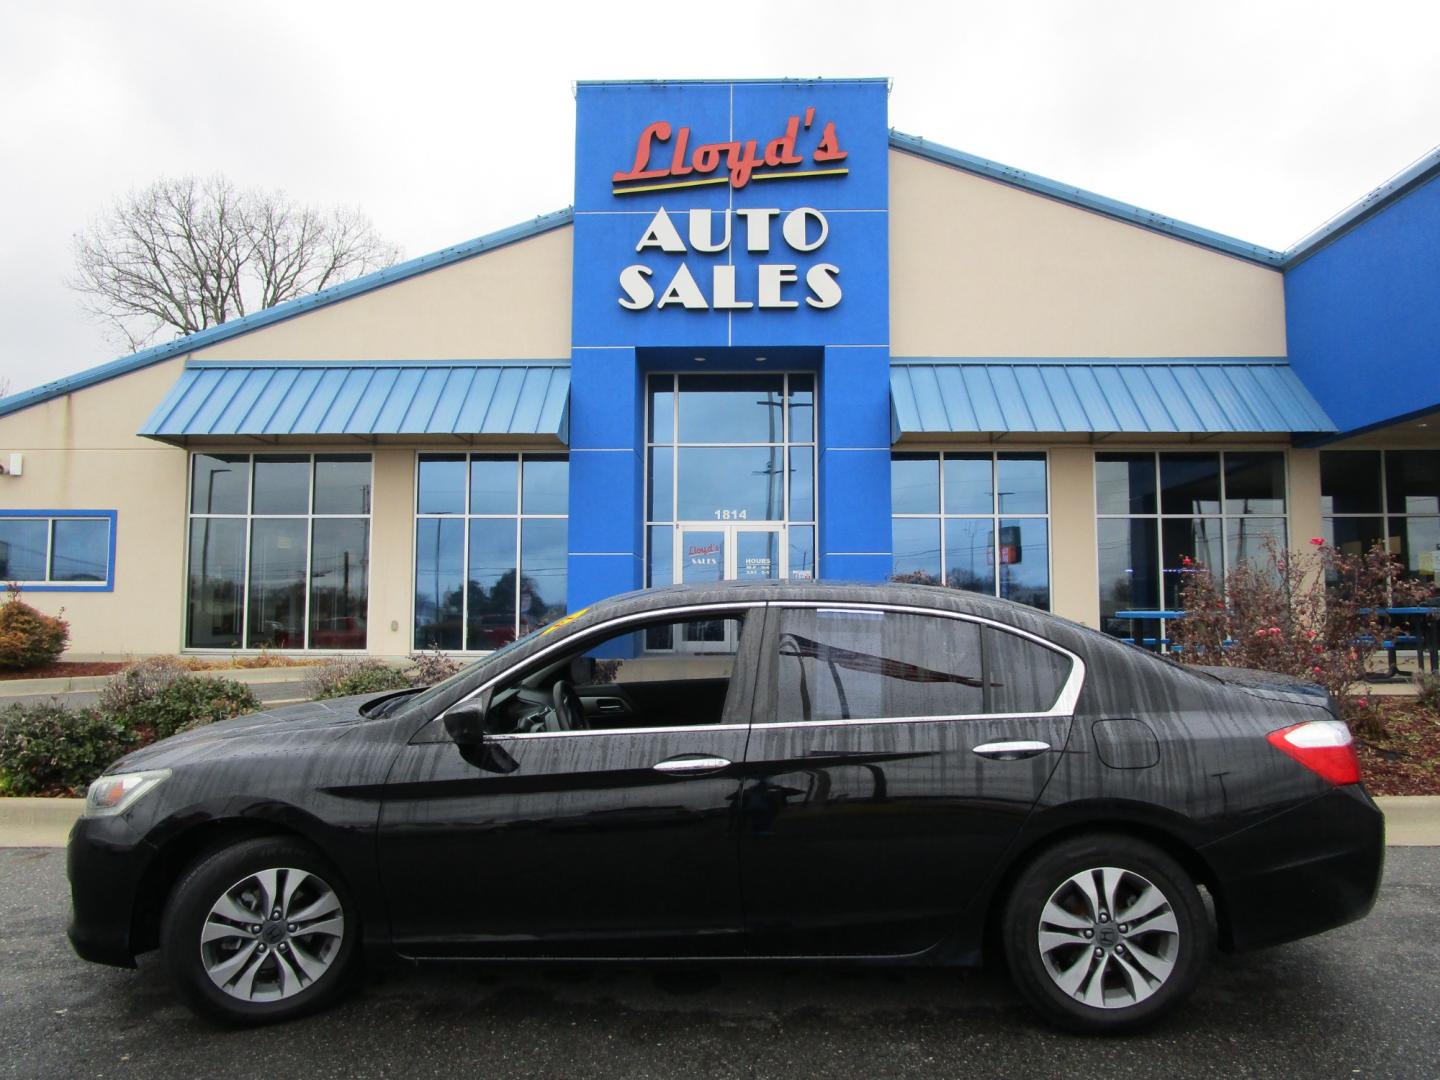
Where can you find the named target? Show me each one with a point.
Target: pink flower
(1274, 631)
(1185, 561)
(1310, 634)
(1316, 670)
(1364, 703)
(1318, 541)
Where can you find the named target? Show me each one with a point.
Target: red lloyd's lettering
(742, 157)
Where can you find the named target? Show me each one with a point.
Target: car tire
(260, 931)
(1105, 933)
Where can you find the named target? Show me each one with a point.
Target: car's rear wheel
(1105, 932)
(259, 931)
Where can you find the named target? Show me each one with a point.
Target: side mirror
(465, 724)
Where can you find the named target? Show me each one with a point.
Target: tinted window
(1125, 483)
(1412, 478)
(342, 484)
(81, 550)
(221, 484)
(1350, 481)
(1024, 676)
(861, 665)
(1190, 483)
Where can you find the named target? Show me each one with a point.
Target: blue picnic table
(1425, 639)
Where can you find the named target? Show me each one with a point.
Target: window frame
(995, 516)
(466, 516)
(1385, 515)
(49, 584)
(1159, 516)
(249, 517)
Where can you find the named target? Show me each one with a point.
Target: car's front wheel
(1105, 932)
(259, 931)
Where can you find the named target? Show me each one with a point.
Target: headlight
(116, 793)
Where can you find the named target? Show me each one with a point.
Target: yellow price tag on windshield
(561, 622)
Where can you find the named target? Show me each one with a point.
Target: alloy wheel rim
(272, 934)
(1108, 937)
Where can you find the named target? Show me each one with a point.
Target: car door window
(839, 665)
(665, 674)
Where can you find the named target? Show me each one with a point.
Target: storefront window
(491, 549)
(973, 520)
(730, 477)
(1389, 497)
(279, 551)
(53, 551)
(1161, 515)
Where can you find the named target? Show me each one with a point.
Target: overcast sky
(1257, 119)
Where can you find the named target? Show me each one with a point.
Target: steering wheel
(569, 711)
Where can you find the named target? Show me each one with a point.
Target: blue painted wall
(851, 338)
(1363, 315)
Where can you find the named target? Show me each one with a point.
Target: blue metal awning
(1051, 396)
(366, 399)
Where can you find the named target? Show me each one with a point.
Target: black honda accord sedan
(787, 772)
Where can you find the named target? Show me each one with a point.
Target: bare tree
(189, 253)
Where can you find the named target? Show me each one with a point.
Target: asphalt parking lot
(1360, 1001)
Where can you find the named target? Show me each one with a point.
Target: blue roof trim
(1054, 395)
(365, 399)
(1087, 200)
(731, 82)
(1397, 187)
(203, 338)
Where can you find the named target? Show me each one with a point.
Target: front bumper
(106, 862)
(1312, 868)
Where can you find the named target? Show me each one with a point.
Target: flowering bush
(1316, 614)
(29, 639)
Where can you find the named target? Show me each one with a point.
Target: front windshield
(439, 688)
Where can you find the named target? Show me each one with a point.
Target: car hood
(291, 726)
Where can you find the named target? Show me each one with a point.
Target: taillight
(1322, 746)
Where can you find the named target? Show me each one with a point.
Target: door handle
(687, 764)
(1011, 751)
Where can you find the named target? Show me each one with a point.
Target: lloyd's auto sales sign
(785, 248)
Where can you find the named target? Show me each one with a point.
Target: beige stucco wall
(512, 303)
(82, 453)
(978, 268)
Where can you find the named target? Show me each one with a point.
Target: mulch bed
(1406, 759)
(64, 669)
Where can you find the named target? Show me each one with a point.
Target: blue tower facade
(729, 229)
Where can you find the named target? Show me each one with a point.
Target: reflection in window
(972, 520)
(279, 551)
(54, 551)
(491, 551)
(868, 665)
(1215, 510)
(1389, 497)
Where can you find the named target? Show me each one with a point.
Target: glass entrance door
(707, 553)
(710, 553)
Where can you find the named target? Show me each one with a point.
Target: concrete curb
(1410, 820)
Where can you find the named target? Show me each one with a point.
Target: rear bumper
(1307, 870)
(105, 862)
